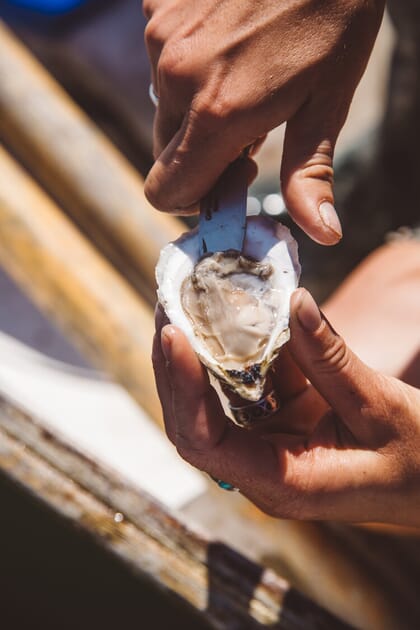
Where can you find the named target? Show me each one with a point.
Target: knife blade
(222, 223)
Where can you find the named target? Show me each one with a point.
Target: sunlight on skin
(377, 310)
(355, 461)
(202, 54)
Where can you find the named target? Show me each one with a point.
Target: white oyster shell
(266, 241)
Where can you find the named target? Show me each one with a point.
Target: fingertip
(310, 204)
(305, 310)
(329, 218)
(167, 336)
(296, 299)
(154, 191)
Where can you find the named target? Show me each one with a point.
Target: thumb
(307, 173)
(349, 386)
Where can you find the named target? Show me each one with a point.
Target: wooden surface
(79, 165)
(231, 591)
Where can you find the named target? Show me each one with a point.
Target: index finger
(194, 158)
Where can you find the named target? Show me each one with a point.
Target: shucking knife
(222, 223)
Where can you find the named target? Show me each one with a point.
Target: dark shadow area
(53, 575)
(300, 612)
(389, 555)
(229, 571)
(233, 580)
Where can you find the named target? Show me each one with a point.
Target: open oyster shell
(233, 307)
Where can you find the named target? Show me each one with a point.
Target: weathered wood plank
(333, 571)
(80, 166)
(230, 590)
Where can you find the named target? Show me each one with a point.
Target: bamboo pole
(64, 274)
(80, 166)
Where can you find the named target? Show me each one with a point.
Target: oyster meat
(232, 306)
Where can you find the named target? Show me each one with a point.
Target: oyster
(233, 307)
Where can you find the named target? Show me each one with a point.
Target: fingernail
(166, 336)
(308, 313)
(330, 218)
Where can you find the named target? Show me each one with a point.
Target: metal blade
(223, 211)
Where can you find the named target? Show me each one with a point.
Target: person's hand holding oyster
(327, 436)
(343, 446)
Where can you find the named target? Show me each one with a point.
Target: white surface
(273, 204)
(100, 419)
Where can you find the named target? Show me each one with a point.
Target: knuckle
(174, 64)
(315, 169)
(313, 162)
(335, 358)
(200, 446)
(168, 429)
(153, 34)
(183, 446)
(323, 153)
(215, 113)
(195, 454)
(184, 449)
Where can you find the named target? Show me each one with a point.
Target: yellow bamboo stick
(79, 165)
(70, 281)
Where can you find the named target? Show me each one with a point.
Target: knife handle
(231, 187)
(222, 222)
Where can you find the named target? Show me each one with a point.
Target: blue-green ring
(224, 485)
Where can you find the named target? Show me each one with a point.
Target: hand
(343, 447)
(228, 72)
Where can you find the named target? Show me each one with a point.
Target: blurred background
(95, 49)
(76, 269)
